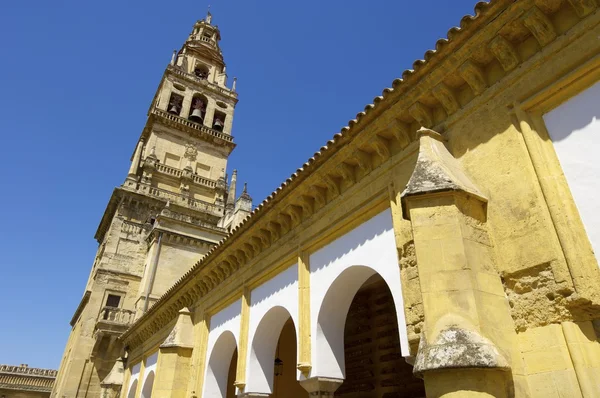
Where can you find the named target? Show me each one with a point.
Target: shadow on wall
(276, 284)
(574, 116)
(148, 384)
(217, 373)
(353, 241)
(263, 348)
(132, 389)
(225, 315)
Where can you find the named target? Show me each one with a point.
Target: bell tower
(173, 207)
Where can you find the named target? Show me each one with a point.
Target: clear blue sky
(76, 80)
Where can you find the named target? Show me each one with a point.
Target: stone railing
(130, 227)
(162, 168)
(26, 370)
(119, 316)
(204, 181)
(193, 125)
(213, 86)
(190, 202)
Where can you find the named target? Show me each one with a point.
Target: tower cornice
(222, 92)
(193, 129)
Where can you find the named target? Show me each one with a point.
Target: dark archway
(373, 361)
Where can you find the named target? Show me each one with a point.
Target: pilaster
(201, 329)
(240, 374)
(468, 331)
(174, 359)
(304, 352)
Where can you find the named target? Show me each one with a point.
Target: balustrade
(213, 86)
(116, 315)
(183, 199)
(193, 125)
(28, 371)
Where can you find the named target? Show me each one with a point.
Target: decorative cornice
(221, 92)
(194, 129)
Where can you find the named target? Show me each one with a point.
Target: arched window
(198, 108)
(175, 102)
(201, 71)
(219, 121)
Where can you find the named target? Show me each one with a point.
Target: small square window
(113, 300)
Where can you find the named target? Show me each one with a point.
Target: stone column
(174, 359)
(187, 103)
(464, 350)
(321, 387)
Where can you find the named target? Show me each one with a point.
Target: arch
(260, 367)
(148, 384)
(331, 319)
(201, 70)
(132, 389)
(217, 371)
(198, 108)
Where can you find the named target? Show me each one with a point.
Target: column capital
(321, 387)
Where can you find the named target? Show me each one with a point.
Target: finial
(245, 187)
(208, 15)
(173, 57)
(234, 84)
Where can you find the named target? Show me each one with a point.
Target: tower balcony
(113, 320)
(186, 201)
(206, 133)
(203, 82)
(197, 179)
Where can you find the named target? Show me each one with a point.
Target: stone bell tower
(173, 206)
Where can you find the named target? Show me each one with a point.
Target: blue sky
(76, 81)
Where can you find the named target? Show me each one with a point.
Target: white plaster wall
(574, 128)
(150, 367)
(226, 321)
(279, 298)
(135, 375)
(371, 245)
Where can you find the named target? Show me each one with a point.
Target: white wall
(222, 341)
(337, 272)
(574, 128)
(135, 375)
(271, 305)
(150, 367)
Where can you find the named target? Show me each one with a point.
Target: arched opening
(219, 121)
(148, 384)
(358, 338)
(273, 357)
(373, 361)
(132, 389)
(201, 70)
(175, 102)
(198, 108)
(220, 372)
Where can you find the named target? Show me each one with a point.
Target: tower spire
(208, 15)
(231, 195)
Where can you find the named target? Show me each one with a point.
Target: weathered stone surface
(458, 348)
